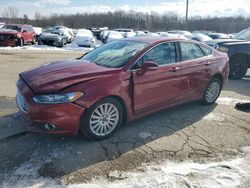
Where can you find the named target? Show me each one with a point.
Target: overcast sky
(197, 7)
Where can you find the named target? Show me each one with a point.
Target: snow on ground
(231, 173)
(45, 47)
(230, 101)
(214, 117)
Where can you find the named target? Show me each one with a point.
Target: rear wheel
(102, 119)
(238, 68)
(212, 91)
(33, 40)
(63, 43)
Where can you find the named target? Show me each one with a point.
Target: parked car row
(237, 46)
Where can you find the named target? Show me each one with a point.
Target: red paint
(12, 35)
(142, 92)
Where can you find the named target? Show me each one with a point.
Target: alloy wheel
(104, 119)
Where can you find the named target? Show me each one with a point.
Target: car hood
(223, 41)
(49, 35)
(56, 76)
(8, 31)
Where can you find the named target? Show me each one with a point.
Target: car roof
(153, 39)
(19, 25)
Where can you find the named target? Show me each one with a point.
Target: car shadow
(63, 155)
(239, 86)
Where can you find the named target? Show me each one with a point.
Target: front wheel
(102, 119)
(212, 91)
(238, 68)
(20, 42)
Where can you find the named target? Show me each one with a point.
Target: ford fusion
(119, 82)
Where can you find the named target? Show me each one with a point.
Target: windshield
(12, 27)
(115, 54)
(243, 35)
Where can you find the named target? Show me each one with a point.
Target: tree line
(136, 20)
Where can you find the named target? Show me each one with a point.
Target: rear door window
(206, 51)
(190, 51)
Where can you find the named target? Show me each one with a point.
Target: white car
(85, 38)
(68, 32)
(113, 35)
(38, 31)
(1, 24)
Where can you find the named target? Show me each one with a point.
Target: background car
(218, 35)
(181, 32)
(84, 38)
(113, 35)
(200, 37)
(1, 24)
(67, 32)
(238, 50)
(17, 35)
(52, 37)
(38, 31)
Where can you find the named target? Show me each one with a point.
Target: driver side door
(157, 89)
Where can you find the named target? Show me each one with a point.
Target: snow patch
(144, 135)
(229, 100)
(68, 47)
(214, 117)
(231, 173)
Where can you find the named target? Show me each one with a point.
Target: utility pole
(186, 15)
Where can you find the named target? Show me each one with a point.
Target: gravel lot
(188, 132)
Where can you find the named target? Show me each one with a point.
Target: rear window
(206, 51)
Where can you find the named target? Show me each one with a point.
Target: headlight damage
(57, 98)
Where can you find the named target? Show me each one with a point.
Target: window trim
(177, 56)
(180, 52)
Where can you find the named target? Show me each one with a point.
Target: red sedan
(118, 82)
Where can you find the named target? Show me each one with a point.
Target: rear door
(158, 88)
(195, 71)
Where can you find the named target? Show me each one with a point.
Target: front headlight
(57, 98)
(223, 49)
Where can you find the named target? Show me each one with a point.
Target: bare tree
(10, 12)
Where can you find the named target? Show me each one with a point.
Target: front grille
(48, 42)
(21, 102)
(4, 37)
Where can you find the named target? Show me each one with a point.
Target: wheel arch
(119, 99)
(124, 107)
(219, 76)
(243, 55)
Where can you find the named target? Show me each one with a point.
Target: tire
(20, 42)
(63, 42)
(238, 68)
(102, 119)
(40, 42)
(33, 40)
(212, 91)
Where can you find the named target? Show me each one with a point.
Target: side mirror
(149, 66)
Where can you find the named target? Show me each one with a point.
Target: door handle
(174, 69)
(208, 63)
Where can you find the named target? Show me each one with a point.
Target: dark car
(17, 35)
(238, 50)
(218, 35)
(118, 82)
(52, 37)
